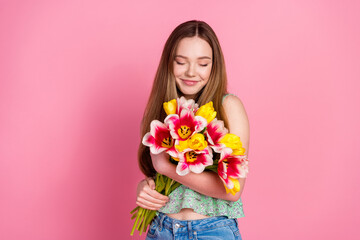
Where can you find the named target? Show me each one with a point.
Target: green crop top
(184, 197)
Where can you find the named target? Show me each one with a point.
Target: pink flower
(184, 126)
(159, 139)
(215, 131)
(231, 167)
(183, 103)
(194, 161)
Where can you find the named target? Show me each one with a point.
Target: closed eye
(179, 63)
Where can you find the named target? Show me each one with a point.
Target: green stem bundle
(143, 217)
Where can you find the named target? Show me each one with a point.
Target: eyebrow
(203, 57)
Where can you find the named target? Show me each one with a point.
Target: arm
(207, 182)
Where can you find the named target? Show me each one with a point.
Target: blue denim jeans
(164, 227)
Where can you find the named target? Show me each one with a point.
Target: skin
(192, 65)
(192, 68)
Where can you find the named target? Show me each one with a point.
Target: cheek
(205, 73)
(178, 70)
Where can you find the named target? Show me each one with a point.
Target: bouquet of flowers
(190, 135)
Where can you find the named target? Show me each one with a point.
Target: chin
(188, 93)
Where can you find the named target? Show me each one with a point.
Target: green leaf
(211, 168)
(203, 131)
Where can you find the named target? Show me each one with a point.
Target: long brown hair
(164, 86)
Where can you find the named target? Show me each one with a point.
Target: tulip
(236, 187)
(207, 111)
(231, 167)
(159, 139)
(194, 161)
(170, 107)
(215, 131)
(189, 104)
(184, 126)
(232, 141)
(195, 142)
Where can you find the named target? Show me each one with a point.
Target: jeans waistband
(165, 221)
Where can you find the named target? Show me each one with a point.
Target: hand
(148, 197)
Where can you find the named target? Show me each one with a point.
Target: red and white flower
(184, 126)
(194, 161)
(232, 167)
(183, 103)
(159, 139)
(215, 131)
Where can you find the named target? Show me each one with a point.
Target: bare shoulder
(234, 108)
(237, 119)
(233, 103)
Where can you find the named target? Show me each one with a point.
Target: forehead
(194, 47)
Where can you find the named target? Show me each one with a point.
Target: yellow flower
(232, 141)
(236, 187)
(240, 151)
(195, 142)
(182, 146)
(170, 107)
(207, 111)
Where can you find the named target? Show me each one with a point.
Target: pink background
(75, 77)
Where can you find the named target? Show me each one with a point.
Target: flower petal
(197, 168)
(233, 141)
(200, 123)
(155, 126)
(172, 152)
(218, 147)
(170, 107)
(225, 153)
(183, 103)
(236, 187)
(148, 140)
(182, 169)
(207, 111)
(215, 130)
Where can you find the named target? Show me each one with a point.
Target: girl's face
(192, 65)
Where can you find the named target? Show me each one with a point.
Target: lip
(189, 82)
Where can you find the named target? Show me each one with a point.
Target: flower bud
(232, 141)
(207, 111)
(170, 107)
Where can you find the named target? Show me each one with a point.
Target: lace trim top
(184, 197)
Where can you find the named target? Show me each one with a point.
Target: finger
(151, 183)
(153, 195)
(147, 204)
(148, 194)
(146, 207)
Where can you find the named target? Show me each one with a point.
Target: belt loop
(236, 222)
(161, 221)
(190, 230)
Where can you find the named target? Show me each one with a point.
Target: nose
(191, 70)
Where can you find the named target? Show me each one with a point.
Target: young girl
(192, 65)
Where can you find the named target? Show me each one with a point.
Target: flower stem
(143, 217)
